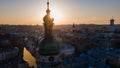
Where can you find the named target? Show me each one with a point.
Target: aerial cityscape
(52, 44)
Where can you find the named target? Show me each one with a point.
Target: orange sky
(64, 11)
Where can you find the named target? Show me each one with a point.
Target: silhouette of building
(8, 53)
(112, 22)
(73, 25)
(11, 56)
(49, 48)
(112, 25)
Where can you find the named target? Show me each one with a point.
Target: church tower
(112, 22)
(73, 25)
(49, 48)
(112, 25)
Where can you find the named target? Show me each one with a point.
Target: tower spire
(49, 48)
(48, 10)
(48, 4)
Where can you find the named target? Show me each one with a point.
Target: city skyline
(63, 11)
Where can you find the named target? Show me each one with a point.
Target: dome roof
(49, 47)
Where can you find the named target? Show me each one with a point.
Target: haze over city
(86, 34)
(63, 11)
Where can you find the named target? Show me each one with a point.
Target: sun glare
(57, 15)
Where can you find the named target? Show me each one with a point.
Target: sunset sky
(64, 11)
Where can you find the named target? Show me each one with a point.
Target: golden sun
(57, 15)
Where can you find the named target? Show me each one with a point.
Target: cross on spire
(47, 4)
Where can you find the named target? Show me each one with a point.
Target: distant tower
(73, 25)
(112, 25)
(49, 48)
(112, 22)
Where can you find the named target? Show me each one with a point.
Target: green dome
(49, 47)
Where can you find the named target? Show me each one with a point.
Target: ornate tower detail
(49, 48)
(48, 23)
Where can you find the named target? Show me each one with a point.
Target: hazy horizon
(31, 12)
